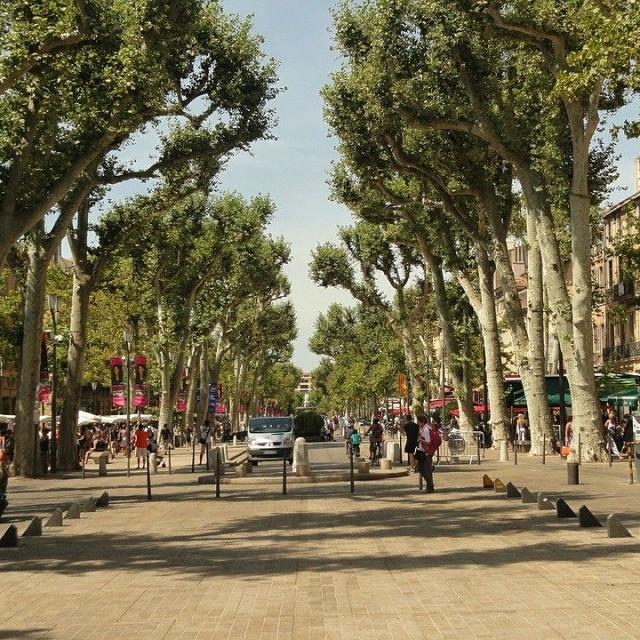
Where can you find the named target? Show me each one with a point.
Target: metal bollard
(217, 472)
(420, 481)
(478, 444)
(544, 448)
(207, 451)
(573, 473)
(193, 454)
(515, 453)
(351, 478)
(284, 476)
(631, 449)
(169, 457)
(148, 477)
(609, 449)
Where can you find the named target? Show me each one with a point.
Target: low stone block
(10, 537)
(563, 510)
(55, 519)
(103, 500)
(498, 486)
(512, 491)
(73, 513)
(363, 468)
(615, 528)
(545, 503)
(487, 482)
(303, 470)
(34, 528)
(89, 505)
(241, 471)
(528, 497)
(386, 464)
(586, 518)
(102, 464)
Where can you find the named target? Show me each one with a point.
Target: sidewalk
(386, 563)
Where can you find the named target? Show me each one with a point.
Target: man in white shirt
(205, 432)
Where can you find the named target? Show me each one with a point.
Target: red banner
(44, 393)
(140, 396)
(220, 408)
(140, 364)
(118, 392)
(181, 403)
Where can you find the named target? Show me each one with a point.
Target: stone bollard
(102, 464)
(386, 464)
(573, 473)
(393, 452)
(235, 441)
(241, 470)
(363, 467)
(153, 463)
(504, 451)
(303, 470)
(300, 454)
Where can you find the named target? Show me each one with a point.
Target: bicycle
(375, 452)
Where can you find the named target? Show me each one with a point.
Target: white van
(270, 438)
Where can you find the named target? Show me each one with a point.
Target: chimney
(637, 174)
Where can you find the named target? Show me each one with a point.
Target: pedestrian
(45, 444)
(205, 432)
(429, 441)
(356, 439)
(140, 441)
(165, 436)
(411, 431)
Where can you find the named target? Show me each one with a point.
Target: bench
(102, 457)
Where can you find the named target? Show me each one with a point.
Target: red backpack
(436, 440)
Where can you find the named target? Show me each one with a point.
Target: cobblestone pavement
(385, 563)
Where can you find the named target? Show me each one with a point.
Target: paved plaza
(385, 563)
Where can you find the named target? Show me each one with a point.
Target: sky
(294, 168)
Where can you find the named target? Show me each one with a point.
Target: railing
(621, 352)
(622, 290)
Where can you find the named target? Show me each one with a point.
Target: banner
(220, 409)
(44, 390)
(213, 397)
(219, 392)
(181, 403)
(140, 377)
(118, 392)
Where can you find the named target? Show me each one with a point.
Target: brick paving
(386, 563)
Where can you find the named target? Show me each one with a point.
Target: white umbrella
(84, 417)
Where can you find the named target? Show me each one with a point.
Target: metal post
(351, 478)
(1, 376)
(579, 449)
(284, 476)
(544, 448)
(631, 449)
(193, 451)
(169, 457)
(609, 449)
(127, 343)
(207, 452)
(148, 476)
(53, 307)
(478, 445)
(217, 472)
(420, 484)
(443, 412)
(515, 452)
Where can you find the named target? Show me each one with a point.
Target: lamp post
(53, 308)
(127, 345)
(94, 386)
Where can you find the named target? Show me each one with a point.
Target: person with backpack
(429, 441)
(356, 439)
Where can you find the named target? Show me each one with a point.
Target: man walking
(140, 441)
(205, 433)
(411, 431)
(429, 441)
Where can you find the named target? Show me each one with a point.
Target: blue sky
(294, 168)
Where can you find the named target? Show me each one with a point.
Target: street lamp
(94, 386)
(1, 398)
(127, 344)
(53, 308)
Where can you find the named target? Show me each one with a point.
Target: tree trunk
(68, 451)
(27, 451)
(205, 379)
(465, 396)
(194, 369)
(492, 349)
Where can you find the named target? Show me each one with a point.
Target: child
(355, 443)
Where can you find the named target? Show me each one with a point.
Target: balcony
(624, 290)
(621, 352)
